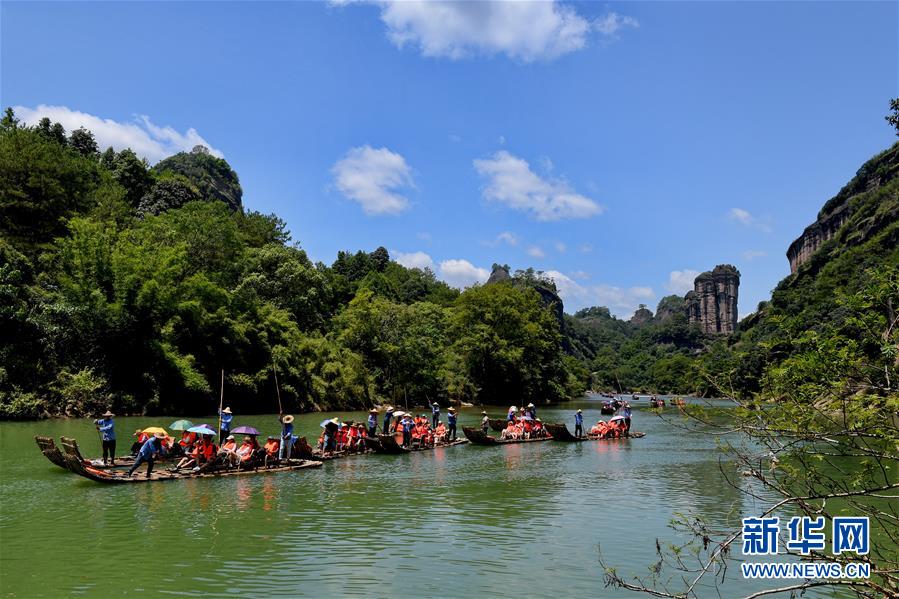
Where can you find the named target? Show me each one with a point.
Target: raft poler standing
(451, 424)
(531, 411)
(107, 429)
(226, 417)
(372, 422)
(485, 422)
(407, 430)
(148, 452)
(626, 412)
(510, 417)
(579, 424)
(388, 416)
(286, 436)
(435, 414)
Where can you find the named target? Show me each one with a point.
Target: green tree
(82, 141)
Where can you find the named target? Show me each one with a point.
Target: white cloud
(745, 218)
(372, 178)
(146, 139)
(611, 23)
(413, 259)
(560, 247)
(750, 255)
(681, 281)
(535, 251)
(462, 273)
(507, 237)
(524, 31)
(511, 181)
(585, 248)
(621, 301)
(501, 140)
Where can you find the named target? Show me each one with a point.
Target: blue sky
(620, 146)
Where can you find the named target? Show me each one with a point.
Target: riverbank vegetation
(132, 286)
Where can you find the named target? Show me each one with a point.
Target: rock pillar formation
(713, 302)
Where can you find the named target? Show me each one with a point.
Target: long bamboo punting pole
(277, 388)
(221, 402)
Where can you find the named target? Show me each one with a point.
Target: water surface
(522, 520)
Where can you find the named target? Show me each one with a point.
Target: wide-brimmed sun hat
(579, 411)
(159, 435)
(226, 411)
(451, 410)
(229, 437)
(530, 405)
(513, 409)
(373, 411)
(287, 419)
(108, 414)
(484, 413)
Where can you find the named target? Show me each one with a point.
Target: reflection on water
(520, 519)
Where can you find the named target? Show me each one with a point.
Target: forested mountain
(133, 287)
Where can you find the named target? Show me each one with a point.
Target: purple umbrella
(245, 430)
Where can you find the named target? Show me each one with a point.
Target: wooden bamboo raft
(388, 444)
(479, 437)
(560, 432)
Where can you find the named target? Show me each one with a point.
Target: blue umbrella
(203, 429)
(245, 430)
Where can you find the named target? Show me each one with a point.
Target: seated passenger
(246, 449)
(440, 432)
(271, 447)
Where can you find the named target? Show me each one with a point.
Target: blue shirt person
(388, 416)
(372, 422)
(578, 424)
(286, 436)
(107, 431)
(226, 416)
(451, 424)
(148, 452)
(407, 430)
(511, 415)
(435, 414)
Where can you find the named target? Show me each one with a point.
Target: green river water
(524, 520)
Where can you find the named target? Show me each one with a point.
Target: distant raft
(479, 437)
(560, 432)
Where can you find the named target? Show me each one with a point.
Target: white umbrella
(614, 418)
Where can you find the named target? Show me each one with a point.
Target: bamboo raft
(560, 432)
(70, 447)
(71, 459)
(479, 437)
(389, 444)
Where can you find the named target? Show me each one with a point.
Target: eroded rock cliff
(713, 302)
(875, 173)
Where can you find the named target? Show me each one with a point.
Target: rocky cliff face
(548, 296)
(641, 316)
(713, 302)
(875, 173)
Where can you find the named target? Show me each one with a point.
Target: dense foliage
(134, 287)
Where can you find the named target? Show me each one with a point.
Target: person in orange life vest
(271, 447)
(538, 428)
(141, 439)
(246, 449)
(509, 432)
(229, 446)
(440, 432)
(598, 428)
(187, 441)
